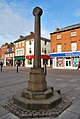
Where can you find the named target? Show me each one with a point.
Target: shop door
(68, 63)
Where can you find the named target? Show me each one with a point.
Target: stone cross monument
(37, 95)
(37, 77)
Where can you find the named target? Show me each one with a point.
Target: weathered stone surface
(33, 104)
(38, 95)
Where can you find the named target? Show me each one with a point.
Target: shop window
(60, 62)
(45, 61)
(30, 61)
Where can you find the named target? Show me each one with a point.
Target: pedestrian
(78, 65)
(17, 65)
(1, 65)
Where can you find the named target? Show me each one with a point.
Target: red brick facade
(65, 40)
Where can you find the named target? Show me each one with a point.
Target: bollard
(17, 68)
(45, 69)
(1, 66)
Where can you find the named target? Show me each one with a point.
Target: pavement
(68, 81)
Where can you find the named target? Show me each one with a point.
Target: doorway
(68, 62)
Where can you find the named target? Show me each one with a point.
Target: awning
(65, 54)
(42, 57)
(19, 58)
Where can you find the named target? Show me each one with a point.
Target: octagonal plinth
(37, 95)
(35, 104)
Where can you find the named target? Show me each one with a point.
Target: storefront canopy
(65, 54)
(19, 57)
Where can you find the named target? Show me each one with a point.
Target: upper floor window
(58, 36)
(59, 48)
(30, 42)
(73, 34)
(16, 44)
(12, 48)
(30, 51)
(45, 51)
(19, 44)
(45, 43)
(42, 49)
(20, 52)
(74, 46)
(22, 43)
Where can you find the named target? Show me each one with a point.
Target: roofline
(25, 38)
(71, 27)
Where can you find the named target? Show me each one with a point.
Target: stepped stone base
(37, 95)
(33, 104)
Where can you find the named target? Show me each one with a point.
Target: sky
(16, 17)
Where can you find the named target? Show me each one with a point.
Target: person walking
(78, 65)
(1, 65)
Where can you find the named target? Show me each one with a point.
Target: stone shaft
(37, 12)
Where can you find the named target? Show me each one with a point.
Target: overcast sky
(16, 17)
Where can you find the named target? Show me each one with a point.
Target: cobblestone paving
(68, 81)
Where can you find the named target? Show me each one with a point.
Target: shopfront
(9, 61)
(20, 60)
(65, 59)
(29, 60)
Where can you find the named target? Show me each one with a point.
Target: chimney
(31, 33)
(21, 36)
(57, 29)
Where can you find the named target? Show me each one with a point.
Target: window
(16, 44)
(73, 34)
(19, 44)
(45, 43)
(30, 42)
(58, 36)
(59, 48)
(22, 43)
(12, 48)
(30, 61)
(20, 52)
(74, 46)
(42, 49)
(45, 51)
(30, 51)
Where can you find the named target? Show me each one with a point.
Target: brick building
(3, 49)
(19, 51)
(65, 47)
(9, 55)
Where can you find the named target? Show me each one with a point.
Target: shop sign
(9, 58)
(64, 54)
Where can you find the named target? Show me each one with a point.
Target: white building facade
(45, 52)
